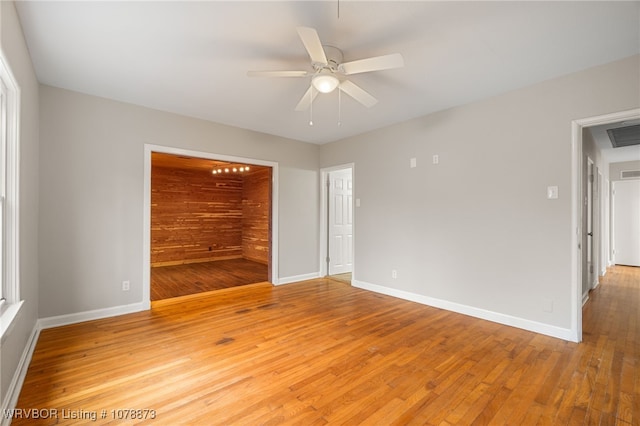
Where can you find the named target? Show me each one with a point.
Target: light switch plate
(552, 192)
(413, 163)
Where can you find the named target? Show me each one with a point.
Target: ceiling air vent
(630, 174)
(625, 136)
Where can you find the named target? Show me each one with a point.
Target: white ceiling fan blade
(277, 73)
(307, 99)
(312, 43)
(357, 93)
(376, 63)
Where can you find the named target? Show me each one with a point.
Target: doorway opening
(337, 219)
(209, 222)
(589, 214)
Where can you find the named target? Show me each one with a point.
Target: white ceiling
(192, 58)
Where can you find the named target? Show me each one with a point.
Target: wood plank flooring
(322, 352)
(181, 280)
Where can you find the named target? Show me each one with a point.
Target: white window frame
(10, 302)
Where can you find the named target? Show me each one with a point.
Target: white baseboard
(13, 392)
(585, 297)
(537, 327)
(60, 320)
(297, 278)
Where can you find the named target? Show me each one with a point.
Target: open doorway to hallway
(597, 158)
(210, 224)
(338, 224)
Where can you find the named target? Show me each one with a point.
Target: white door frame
(603, 196)
(324, 205)
(146, 225)
(576, 208)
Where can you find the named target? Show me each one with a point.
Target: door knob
(590, 234)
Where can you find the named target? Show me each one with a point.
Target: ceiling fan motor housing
(334, 59)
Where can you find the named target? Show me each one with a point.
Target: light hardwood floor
(322, 352)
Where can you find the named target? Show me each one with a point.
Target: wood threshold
(205, 295)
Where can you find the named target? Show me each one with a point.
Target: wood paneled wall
(256, 212)
(196, 217)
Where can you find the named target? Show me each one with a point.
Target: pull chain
(339, 107)
(311, 106)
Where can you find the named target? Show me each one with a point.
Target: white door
(590, 241)
(595, 227)
(626, 222)
(340, 222)
(587, 214)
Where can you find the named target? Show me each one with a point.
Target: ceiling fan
(329, 70)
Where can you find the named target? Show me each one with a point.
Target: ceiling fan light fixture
(325, 82)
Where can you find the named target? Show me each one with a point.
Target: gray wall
(91, 204)
(15, 50)
(477, 228)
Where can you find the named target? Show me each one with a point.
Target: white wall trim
(10, 147)
(146, 225)
(298, 278)
(13, 392)
(537, 327)
(585, 298)
(60, 320)
(576, 208)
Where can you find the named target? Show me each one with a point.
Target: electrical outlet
(394, 274)
(125, 286)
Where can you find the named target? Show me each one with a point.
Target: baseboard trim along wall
(536, 327)
(297, 278)
(13, 392)
(60, 320)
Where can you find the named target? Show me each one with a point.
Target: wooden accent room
(210, 225)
